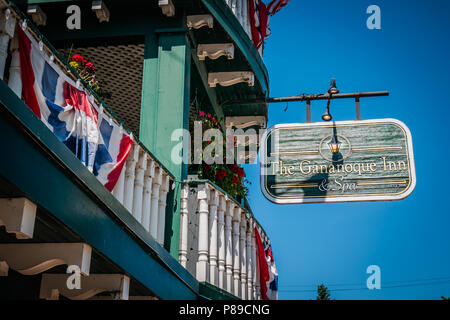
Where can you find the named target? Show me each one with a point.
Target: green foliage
(229, 177)
(322, 292)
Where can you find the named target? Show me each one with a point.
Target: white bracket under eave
(215, 51)
(167, 7)
(243, 122)
(35, 258)
(226, 79)
(18, 216)
(101, 10)
(53, 285)
(37, 14)
(198, 21)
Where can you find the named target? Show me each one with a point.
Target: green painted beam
(211, 292)
(51, 176)
(165, 108)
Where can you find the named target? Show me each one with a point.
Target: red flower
(89, 67)
(221, 174)
(235, 180)
(233, 168)
(209, 115)
(78, 58)
(202, 113)
(236, 169)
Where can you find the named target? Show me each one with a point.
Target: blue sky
(313, 41)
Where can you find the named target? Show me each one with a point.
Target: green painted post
(165, 108)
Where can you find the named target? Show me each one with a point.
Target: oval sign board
(346, 161)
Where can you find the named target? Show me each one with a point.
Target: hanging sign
(346, 161)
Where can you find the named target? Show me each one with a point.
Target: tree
(322, 292)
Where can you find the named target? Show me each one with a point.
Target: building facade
(156, 230)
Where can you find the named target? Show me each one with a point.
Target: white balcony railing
(142, 188)
(217, 240)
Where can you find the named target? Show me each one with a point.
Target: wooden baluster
(221, 240)
(139, 185)
(236, 253)
(162, 209)
(243, 251)
(233, 6)
(154, 213)
(203, 215)
(245, 23)
(15, 80)
(147, 195)
(254, 276)
(249, 260)
(213, 203)
(184, 211)
(129, 178)
(228, 245)
(239, 10)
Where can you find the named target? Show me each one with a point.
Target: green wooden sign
(369, 160)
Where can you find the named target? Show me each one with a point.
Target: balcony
(217, 239)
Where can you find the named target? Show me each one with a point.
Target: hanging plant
(229, 177)
(86, 70)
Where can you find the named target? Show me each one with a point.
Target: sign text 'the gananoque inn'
(369, 160)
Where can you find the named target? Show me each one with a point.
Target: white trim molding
(199, 21)
(215, 51)
(226, 79)
(35, 258)
(101, 10)
(37, 14)
(167, 7)
(245, 122)
(53, 285)
(18, 216)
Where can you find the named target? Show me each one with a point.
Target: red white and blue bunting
(71, 114)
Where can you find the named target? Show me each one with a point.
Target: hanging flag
(276, 5)
(268, 274)
(262, 265)
(255, 25)
(259, 16)
(69, 114)
(272, 284)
